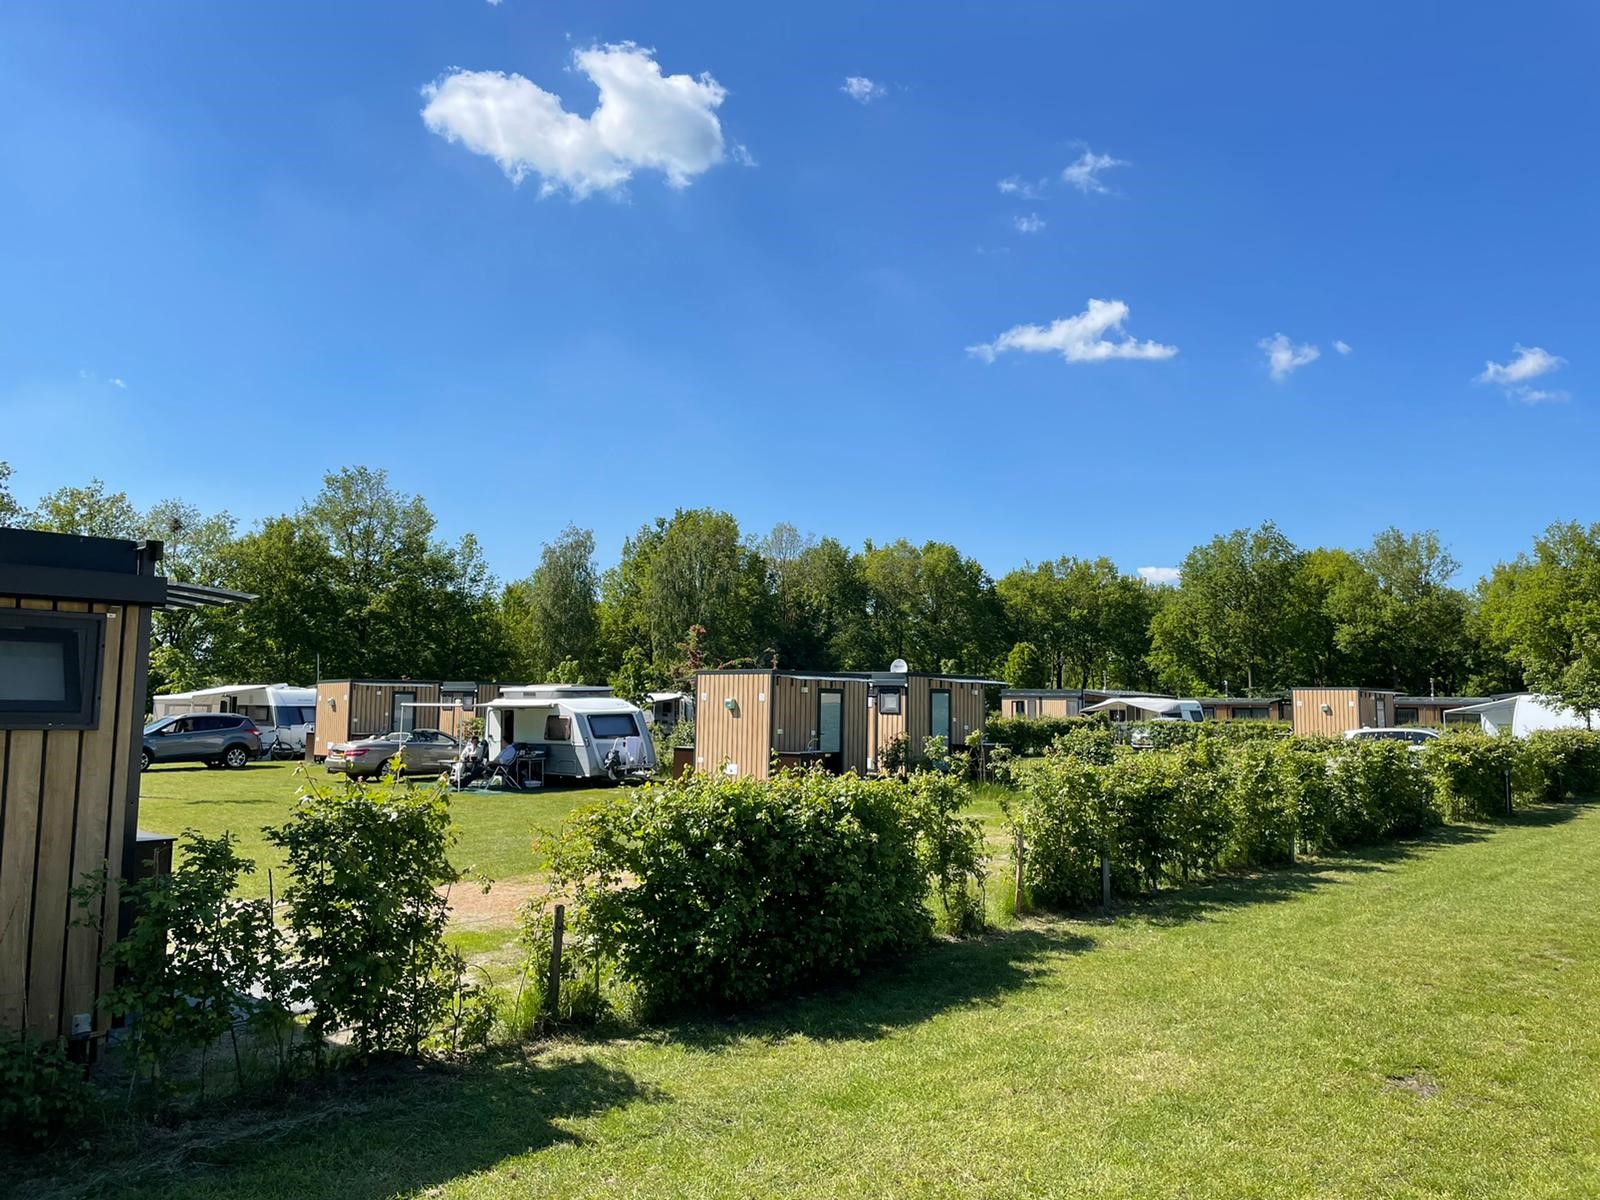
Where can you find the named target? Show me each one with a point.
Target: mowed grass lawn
(1419, 1021)
(498, 831)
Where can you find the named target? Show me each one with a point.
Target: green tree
(194, 550)
(1026, 667)
(90, 511)
(932, 606)
(1229, 622)
(12, 514)
(1544, 609)
(1089, 620)
(552, 616)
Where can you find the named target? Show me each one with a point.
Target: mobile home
(74, 656)
(580, 736)
(1333, 711)
(840, 720)
(351, 709)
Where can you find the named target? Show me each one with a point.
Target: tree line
(359, 582)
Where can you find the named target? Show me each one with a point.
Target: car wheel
(144, 760)
(235, 757)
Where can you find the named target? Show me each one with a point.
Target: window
(557, 729)
(613, 725)
(1383, 711)
(1405, 716)
(889, 701)
(296, 714)
(1019, 708)
(49, 670)
(402, 716)
(1210, 711)
(830, 720)
(939, 713)
(1249, 713)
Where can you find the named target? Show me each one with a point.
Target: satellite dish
(899, 666)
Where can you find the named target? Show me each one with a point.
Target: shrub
(366, 910)
(1261, 789)
(1092, 741)
(949, 848)
(1030, 735)
(1062, 815)
(42, 1091)
(194, 954)
(1470, 772)
(1379, 791)
(1561, 764)
(722, 891)
(1249, 731)
(892, 756)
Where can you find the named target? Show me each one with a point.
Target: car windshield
(159, 723)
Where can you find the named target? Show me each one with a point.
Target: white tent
(1521, 715)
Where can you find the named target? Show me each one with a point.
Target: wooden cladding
(360, 708)
(1346, 709)
(69, 807)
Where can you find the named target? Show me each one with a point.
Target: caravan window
(613, 725)
(557, 729)
(296, 714)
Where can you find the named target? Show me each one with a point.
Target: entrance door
(830, 727)
(939, 714)
(401, 716)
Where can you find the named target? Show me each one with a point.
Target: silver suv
(216, 739)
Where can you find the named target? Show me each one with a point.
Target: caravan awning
(1160, 705)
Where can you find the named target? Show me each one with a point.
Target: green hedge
(1031, 735)
(721, 891)
(1470, 772)
(1561, 764)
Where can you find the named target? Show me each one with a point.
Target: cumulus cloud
(863, 90)
(1284, 358)
(1085, 173)
(117, 383)
(1161, 576)
(644, 121)
(1530, 363)
(1015, 185)
(1078, 339)
(1032, 223)
(1341, 347)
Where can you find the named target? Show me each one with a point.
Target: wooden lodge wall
(69, 807)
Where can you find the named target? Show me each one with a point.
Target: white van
(580, 737)
(284, 714)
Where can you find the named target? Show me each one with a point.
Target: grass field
(1416, 1021)
(497, 829)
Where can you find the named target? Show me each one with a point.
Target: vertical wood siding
(742, 738)
(66, 797)
(1352, 709)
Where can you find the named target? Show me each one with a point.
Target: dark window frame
(82, 639)
(839, 692)
(949, 713)
(895, 709)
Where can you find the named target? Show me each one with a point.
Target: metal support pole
(1017, 853)
(1105, 878)
(553, 990)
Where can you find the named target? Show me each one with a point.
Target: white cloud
(1085, 173)
(863, 90)
(1015, 185)
(1341, 347)
(1530, 395)
(1530, 363)
(644, 121)
(1284, 357)
(1077, 339)
(117, 383)
(1032, 223)
(1161, 576)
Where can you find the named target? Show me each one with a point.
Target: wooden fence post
(553, 991)
(1017, 852)
(1105, 877)
(1509, 810)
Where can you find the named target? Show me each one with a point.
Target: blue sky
(236, 254)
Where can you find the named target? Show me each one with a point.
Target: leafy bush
(366, 910)
(1561, 764)
(949, 848)
(724, 891)
(42, 1091)
(892, 756)
(1261, 789)
(1062, 815)
(1470, 772)
(1249, 731)
(1030, 735)
(194, 954)
(1379, 791)
(1092, 741)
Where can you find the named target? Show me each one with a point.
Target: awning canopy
(1159, 705)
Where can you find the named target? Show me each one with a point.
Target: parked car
(216, 739)
(1417, 738)
(421, 752)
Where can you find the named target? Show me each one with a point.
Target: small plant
(892, 755)
(42, 1091)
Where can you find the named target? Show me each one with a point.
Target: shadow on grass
(358, 1135)
(894, 995)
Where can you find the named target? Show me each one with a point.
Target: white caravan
(1522, 715)
(668, 708)
(581, 737)
(282, 713)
